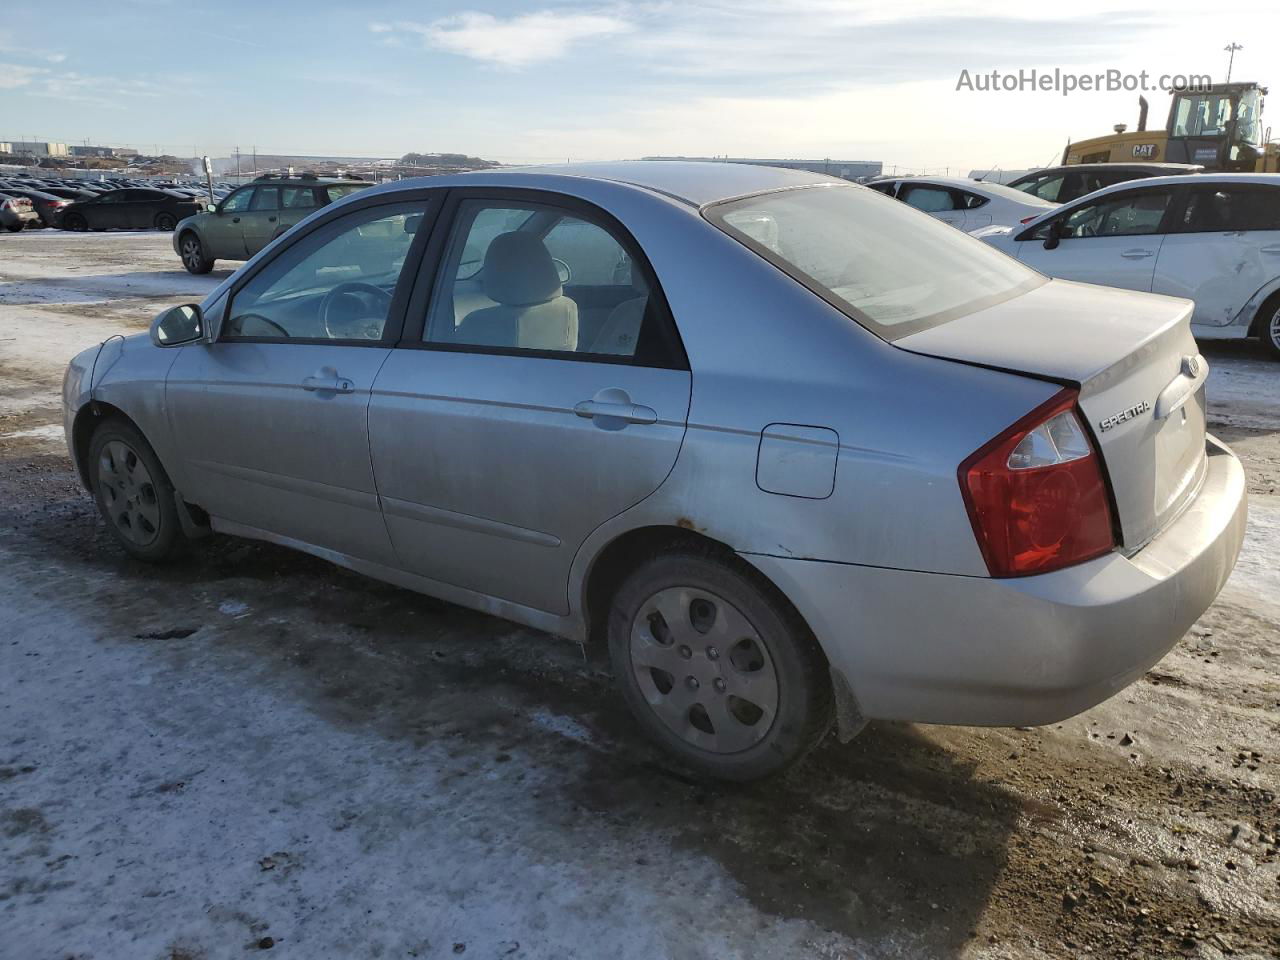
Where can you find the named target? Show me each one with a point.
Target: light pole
(1231, 49)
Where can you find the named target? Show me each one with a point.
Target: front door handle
(327, 380)
(271, 219)
(235, 219)
(1138, 254)
(1275, 248)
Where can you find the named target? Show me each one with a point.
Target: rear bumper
(933, 648)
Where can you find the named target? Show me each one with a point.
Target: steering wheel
(360, 324)
(241, 318)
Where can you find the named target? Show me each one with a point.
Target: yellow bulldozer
(1218, 127)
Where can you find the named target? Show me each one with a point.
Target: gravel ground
(254, 750)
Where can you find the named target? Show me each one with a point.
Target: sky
(557, 81)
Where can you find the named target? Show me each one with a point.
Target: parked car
(1212, 237)
(1066, 183)
(47, 206)
(783, 447)
(966, 204)
(130, 208)
(16, 212)
(251, 217)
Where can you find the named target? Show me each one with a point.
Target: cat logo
(1145, 151)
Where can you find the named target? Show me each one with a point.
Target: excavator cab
(1220, 128)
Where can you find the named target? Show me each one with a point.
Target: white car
(1212, 237)
(963, 203)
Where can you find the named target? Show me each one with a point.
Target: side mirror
(1055, 235)
(178, 326)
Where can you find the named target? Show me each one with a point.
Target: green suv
(252, 216)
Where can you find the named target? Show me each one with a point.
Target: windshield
(894, 270)
(1248, 124)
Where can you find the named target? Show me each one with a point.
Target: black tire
(742, 603)
(74, 221)
(14, 227)
(166, 222)
(1268, 326)
(133, 493)
(191, 250)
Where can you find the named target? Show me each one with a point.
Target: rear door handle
(629, 412)
(271, 219)
(1138, 254)
(1274, 248)
(327, 380)
(235, 219)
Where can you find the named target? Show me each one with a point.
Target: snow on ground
(251, 749)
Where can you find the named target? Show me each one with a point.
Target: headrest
(518, 270)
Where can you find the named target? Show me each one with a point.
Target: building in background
(847, 169)
(84, 150)
(36, 148)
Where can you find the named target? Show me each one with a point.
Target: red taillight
(1036, 494)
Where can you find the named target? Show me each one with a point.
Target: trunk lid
(1140, 376)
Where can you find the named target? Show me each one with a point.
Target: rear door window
(298, 198)
(1227, 208)
(927, 198)
(266, 198)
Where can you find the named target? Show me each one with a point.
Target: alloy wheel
(128, 493)
(704, 670)
(1273, 330)
(191, 255)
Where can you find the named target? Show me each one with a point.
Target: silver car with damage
(793, 452)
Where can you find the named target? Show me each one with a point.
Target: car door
(505, 432)
(223, 231)
(272, 418)
(939, 202)
(107, 212)
(1113, 240)
(260, 223)
(1223, 249)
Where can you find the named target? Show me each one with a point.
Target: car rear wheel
(1269, 326)
(716, 669)
(166, 222)
(192, 252)
(133, 492)
(74, 221)
(14, 227)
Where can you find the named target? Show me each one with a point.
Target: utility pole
(237, 163)
(1231, 49)
(255, 159)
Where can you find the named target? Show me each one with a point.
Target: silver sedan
(794, 453)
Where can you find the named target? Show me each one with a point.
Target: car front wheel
(133, 492)
(717, 669)
(193, 255)
(73, 221)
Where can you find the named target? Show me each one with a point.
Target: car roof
(692, 182)
(1149, 183)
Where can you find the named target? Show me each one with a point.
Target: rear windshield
(891, 268)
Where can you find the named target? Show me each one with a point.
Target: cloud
(517, 41)
(24, 51)
(13, 75)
